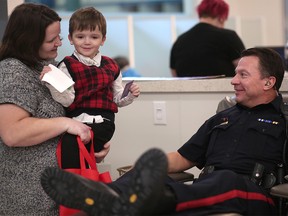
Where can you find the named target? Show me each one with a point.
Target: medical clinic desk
(188, 102)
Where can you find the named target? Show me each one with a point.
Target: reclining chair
(281, 190)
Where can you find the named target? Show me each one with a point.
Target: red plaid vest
(93, 85)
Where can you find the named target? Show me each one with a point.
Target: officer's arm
(177, 163)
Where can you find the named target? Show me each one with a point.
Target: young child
(96, 95)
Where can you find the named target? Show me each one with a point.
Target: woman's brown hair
(25, 32)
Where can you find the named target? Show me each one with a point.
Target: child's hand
(45, 70)
(135, 90)
(102, 154)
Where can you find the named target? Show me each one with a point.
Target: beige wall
(272, 29)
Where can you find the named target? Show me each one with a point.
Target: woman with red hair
(214, 8)
(207, 49)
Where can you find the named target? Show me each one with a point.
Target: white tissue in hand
(59, 80)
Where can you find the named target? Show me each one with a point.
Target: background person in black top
(207, 49)
(228, 145)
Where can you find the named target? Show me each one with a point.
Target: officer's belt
(266, 181)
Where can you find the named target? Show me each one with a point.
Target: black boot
(146, 183)
(76, 192)
(96, 198)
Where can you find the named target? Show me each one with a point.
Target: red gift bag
(91, 172)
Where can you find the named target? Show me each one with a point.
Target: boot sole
(66, 189)
(149, 173)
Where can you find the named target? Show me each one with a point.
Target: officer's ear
(269, 82)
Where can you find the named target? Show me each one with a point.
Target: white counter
(181, 85)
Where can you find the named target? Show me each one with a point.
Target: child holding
(96, 95)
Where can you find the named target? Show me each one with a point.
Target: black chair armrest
(280, 190)
(181, 176)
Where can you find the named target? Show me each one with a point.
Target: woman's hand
(102, 154)
(80, 129)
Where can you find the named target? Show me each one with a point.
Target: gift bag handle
(83, 153)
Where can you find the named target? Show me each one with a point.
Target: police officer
(237, 148)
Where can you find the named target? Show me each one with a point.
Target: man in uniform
(238, 149)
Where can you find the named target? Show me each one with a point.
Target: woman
(31, 122)
(207, 49)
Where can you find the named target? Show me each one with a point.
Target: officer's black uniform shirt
(238, 137)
